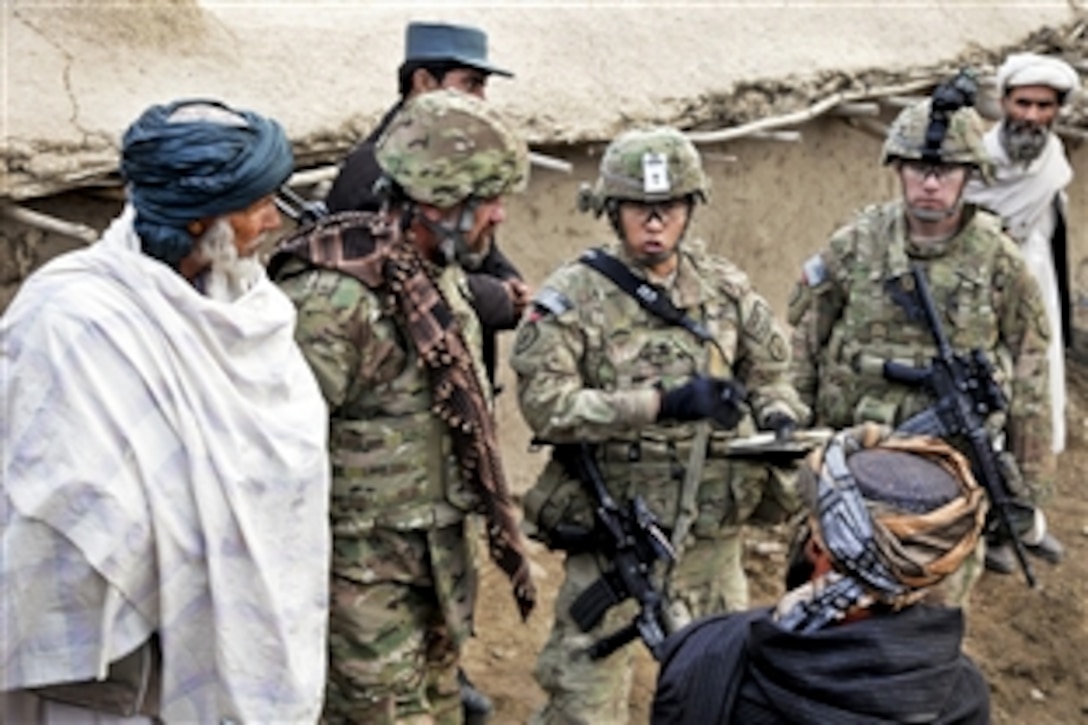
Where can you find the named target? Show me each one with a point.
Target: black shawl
(902, 667)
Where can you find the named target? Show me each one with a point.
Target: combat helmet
(648, 165)
(445, 147)
(944, 128)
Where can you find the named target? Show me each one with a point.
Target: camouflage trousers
(400, 609)
(956, 587)
(709, 578)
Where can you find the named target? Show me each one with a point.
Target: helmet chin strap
(935, 215)
(452, 236)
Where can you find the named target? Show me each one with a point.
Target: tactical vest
(627, 347)
(873, 327)
(392, 458)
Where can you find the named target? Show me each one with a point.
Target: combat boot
(1049, 549)
(1000, 558)
(476, 705)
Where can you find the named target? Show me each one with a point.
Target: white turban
(1032, 69)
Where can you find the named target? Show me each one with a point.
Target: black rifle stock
(631, 539)
(966, 393)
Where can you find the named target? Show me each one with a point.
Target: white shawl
(1023, 195)
(165, 470)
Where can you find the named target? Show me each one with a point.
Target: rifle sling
(651, 297)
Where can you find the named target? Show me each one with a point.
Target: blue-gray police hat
(444, 42)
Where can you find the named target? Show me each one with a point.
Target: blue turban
(194, 167)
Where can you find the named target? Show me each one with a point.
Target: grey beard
(1022, 141)
(229, 276)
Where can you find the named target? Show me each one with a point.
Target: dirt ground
(1030, 644)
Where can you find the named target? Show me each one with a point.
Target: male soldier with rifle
(454, 57)
(648, 348)
(965, 393)
(852, 315)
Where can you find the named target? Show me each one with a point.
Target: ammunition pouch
(572, 539)
(396, 472)
(556, 500)
(730, 490)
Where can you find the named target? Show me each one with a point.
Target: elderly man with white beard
(1028, 193)
(165, 478)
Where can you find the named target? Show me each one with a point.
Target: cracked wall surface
(76, 78)
(78, 72)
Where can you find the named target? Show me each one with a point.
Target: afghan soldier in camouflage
(659, 403)
(386, 322)
(847, 323)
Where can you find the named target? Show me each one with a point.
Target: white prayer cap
(1032, 69)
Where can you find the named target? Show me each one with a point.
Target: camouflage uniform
(847, 324)
(588, 358)
(403, 568)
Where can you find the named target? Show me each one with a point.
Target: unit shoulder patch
(814, 271)
(552, 300)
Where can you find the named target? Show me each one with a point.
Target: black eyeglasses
(663, 211)
(922, 170)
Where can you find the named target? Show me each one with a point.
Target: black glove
(701, 397)
(782, 424)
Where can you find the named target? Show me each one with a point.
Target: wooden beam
(790, 136)
(856, 108)
(45, 222)
(869, 126)
(807, 114)
(550, 162)
(900, 101)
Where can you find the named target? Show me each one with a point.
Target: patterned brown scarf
(356, 244)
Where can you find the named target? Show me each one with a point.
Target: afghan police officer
(386, 322)
(660, 399)
(850, 318)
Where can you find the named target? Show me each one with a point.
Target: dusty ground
(1025, 641)
(772, 205)
(1029, 644)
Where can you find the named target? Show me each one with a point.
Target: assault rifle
(966, 394)
(633, 542)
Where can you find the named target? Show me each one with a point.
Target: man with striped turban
(862, 635)
(165, 499)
